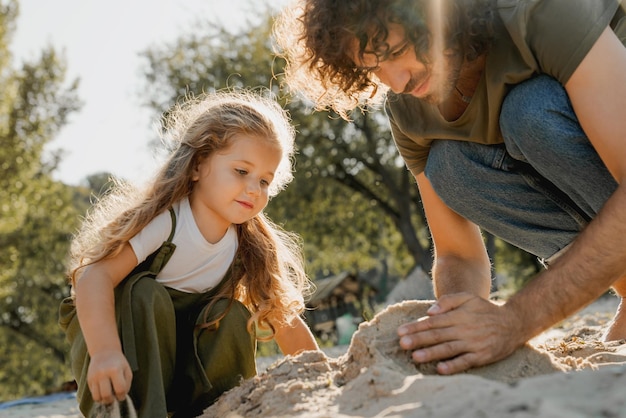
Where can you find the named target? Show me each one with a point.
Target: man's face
(404, 73)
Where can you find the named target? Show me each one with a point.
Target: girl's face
(231, 186)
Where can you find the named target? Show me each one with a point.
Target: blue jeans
(541, 187)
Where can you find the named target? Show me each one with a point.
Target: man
(511, 114)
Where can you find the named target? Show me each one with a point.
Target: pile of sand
(566, 372)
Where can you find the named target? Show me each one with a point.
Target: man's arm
(596, 259)
(461, 262)
(462, 276)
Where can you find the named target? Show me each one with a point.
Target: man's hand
(465, 331)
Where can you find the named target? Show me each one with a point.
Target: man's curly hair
(317, 40)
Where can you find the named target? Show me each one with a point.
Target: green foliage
(100, 183)
(352, 200)
(515, 267)
(37, 217)
(207, 58)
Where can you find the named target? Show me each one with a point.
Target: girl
(168, 284)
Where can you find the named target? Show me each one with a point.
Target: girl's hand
(109, 376)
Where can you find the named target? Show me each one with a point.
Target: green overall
(177, 366)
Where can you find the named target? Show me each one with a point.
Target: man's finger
(448, 303)
(458, 364)
(426, 323)
(442, 351)
(438, 331)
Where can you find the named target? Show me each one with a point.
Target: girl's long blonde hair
(270, 278)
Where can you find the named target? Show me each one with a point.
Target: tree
(37, 217)
(352, 200)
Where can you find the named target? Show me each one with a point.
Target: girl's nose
(253, 187)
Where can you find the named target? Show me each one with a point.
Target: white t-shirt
(196, 265)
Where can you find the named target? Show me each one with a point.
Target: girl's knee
(148, 291)
(229, 347)
(149, 301)
(233, 316)
(231, 330)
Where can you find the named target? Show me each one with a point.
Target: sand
(566, 371)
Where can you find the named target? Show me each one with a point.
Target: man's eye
(398, 52)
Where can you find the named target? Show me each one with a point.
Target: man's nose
(394, 78)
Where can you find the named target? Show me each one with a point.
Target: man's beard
(451, 69)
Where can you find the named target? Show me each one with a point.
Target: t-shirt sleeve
(560, 33)
(413, 154)
(150, 238)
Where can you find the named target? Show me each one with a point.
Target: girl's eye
(241, 171)
(265, 183)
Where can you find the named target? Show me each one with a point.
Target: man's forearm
(455, 275)
(594, 261)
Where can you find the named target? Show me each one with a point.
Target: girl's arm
(295, 338)
(109, 373)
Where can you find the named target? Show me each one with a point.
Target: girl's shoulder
(155, 232)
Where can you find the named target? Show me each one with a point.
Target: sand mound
(549, 377)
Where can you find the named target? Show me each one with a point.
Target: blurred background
(84, 85)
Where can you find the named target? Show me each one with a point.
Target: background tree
(352, 200)
(37, 217)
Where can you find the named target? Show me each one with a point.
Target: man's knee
(453, 168)
(533, 111)
(440, 169)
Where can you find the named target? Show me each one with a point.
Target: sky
(101, 41)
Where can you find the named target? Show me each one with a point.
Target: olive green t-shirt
(532, 37)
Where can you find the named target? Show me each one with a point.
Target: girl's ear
(195, 172)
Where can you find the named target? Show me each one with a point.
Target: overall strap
(164, 253)
(148, 268)
(173, 216)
